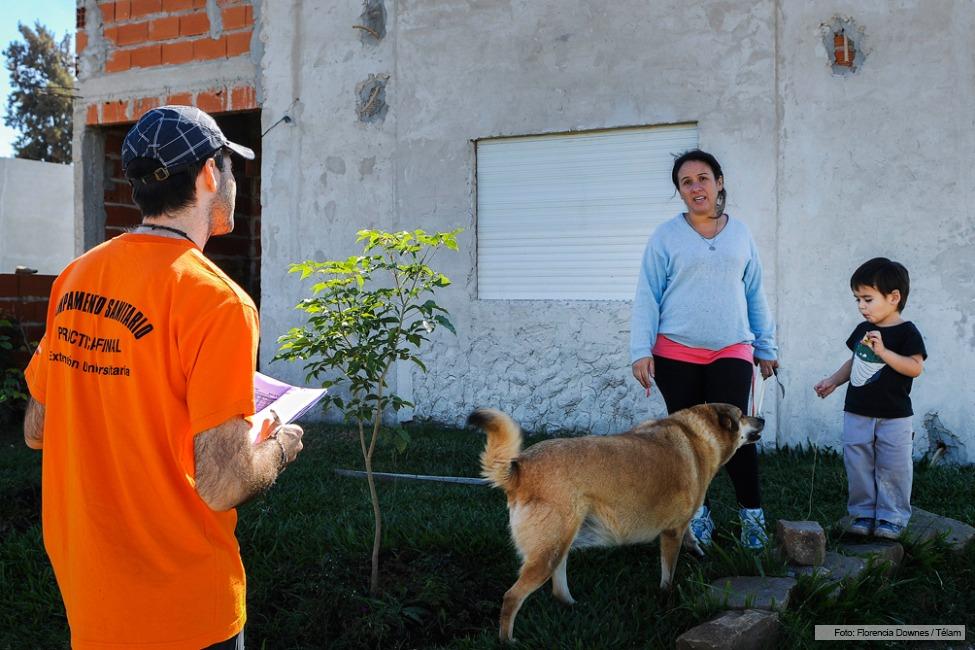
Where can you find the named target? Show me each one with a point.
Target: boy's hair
(170, 195)
(885, 276)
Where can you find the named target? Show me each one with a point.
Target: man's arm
(230, 469)
(34, 424)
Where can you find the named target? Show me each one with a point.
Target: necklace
(179, 232)
(709, 242)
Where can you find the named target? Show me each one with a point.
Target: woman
(700, 320)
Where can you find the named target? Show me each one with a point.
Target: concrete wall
(877, 163)
(36, 215)
(827, 167)
(463, 71)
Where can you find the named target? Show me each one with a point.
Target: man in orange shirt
(140, 392)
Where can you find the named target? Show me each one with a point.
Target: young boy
(888, 353)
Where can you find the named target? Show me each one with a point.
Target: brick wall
(151, 33)
(148, 33)
(24, 298)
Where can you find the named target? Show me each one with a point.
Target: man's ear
(209, 176)
(894, 297)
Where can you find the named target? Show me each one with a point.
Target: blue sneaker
(861, 526)
(887, 530)
(753, 535)
(702, 526)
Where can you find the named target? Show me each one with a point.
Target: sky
(57, 15)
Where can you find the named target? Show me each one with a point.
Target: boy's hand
(825, 387)
(875, 342)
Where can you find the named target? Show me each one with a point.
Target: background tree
(41, 87)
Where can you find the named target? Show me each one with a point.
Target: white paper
(287, 401)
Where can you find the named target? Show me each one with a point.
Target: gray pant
(879, 471)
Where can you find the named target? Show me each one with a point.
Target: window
(567, 216)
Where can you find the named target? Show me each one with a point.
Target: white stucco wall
(826, 170)
(36, 215)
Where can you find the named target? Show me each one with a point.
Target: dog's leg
(534, 572)
(691, 544)
(560, 584)
(543, 536)
(669, 549)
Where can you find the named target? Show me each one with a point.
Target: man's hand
(230, 469)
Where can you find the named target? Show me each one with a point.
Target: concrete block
(802, 542)
(751, 629)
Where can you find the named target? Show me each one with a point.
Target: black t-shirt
(876, 390)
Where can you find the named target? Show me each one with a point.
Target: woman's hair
(885, 276)
(712, 162)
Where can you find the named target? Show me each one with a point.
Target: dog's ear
(727, 420)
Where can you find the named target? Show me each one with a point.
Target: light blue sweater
(699, 297)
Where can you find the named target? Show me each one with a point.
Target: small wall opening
(238, 254)
(844, 43)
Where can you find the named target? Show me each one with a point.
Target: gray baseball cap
(176, 137)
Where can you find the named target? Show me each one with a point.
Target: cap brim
(241, 150)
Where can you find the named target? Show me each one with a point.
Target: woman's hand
(767, 366)
(643, 371)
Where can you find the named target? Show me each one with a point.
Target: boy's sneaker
(753, 535)
(861, 526)
(887, 530)
(702, 526)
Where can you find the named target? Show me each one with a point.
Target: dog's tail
(503, 446)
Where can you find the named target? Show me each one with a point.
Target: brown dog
(606, 490)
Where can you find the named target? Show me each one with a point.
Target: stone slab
(835, 567)
(750, 629)
(925, 525)
(890, 553)
(754, 592)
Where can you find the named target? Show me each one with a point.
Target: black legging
(684, 384)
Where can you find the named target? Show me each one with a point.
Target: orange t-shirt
(147, 344)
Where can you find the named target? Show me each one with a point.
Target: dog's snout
(755, 426)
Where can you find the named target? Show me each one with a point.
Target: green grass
(447, 558)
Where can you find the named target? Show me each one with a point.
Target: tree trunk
(374, 575)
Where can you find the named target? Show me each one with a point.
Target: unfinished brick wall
(23, 299)
(153, 33)
(148, 33)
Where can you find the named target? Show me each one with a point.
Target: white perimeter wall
(826, 170)
(36, 215)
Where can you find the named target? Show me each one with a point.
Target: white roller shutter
(567, 216)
